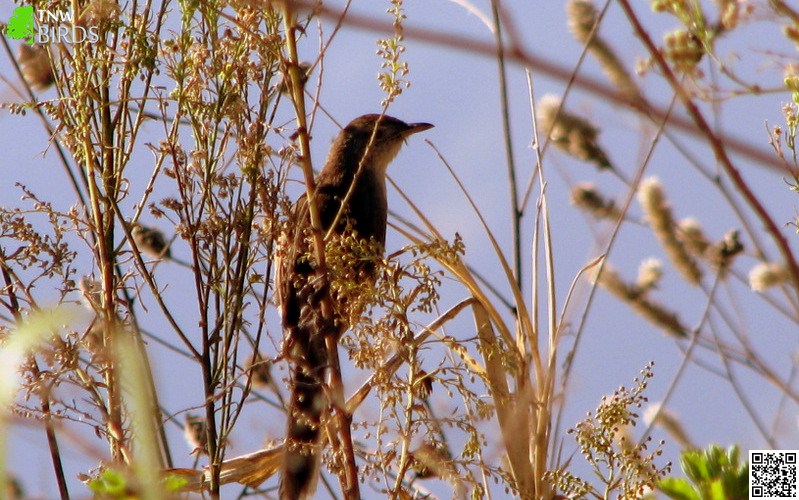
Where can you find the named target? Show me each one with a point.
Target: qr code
(772, 474)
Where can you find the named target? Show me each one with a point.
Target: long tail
(299, 469)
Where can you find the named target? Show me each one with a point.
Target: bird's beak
(414, 128)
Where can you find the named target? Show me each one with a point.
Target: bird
(150, 241)
(195, 431)
(92, 293)
(354, 173)
(305, 72)
(34, 62)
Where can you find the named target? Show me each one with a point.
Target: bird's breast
(368, 208)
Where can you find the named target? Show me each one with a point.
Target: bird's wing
(290, 248)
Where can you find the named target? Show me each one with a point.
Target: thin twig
(743, 149)
(717, 143)
(349, 480)
(510, 163)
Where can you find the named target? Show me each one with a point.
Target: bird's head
(374, 140)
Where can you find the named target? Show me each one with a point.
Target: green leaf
(175, 483)
(736, 483)
(679, 489)
(694, 465)
(716, 491)
(733, 455)
(716, 474)
(715, 461)
(109, 482)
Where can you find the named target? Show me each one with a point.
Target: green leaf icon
(20, 26)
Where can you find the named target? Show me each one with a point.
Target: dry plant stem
(209, 385)
(44, 394)
(148, 278)
(105, 259)
(515, 412)
(112, 134)
(406, 433)
(739, 392)
(590, 265)
(526, 58)
(506, 131)
(460, 270)
(343, 419)
(255, 468)
(717, 143)
(783, 9)
(748, 357)
(780, 414)
(633, 188)
(546, 387)
(234, 310)
(745, 222)
(203, 356)
(686, 359)
(52, 444)
(139, 342)
(157, 414)
(119, 135)
(512, 414)
(409, 226)
(320, 62)
(393, 363)
(62, 155)
(570, 84)
(68, 168)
